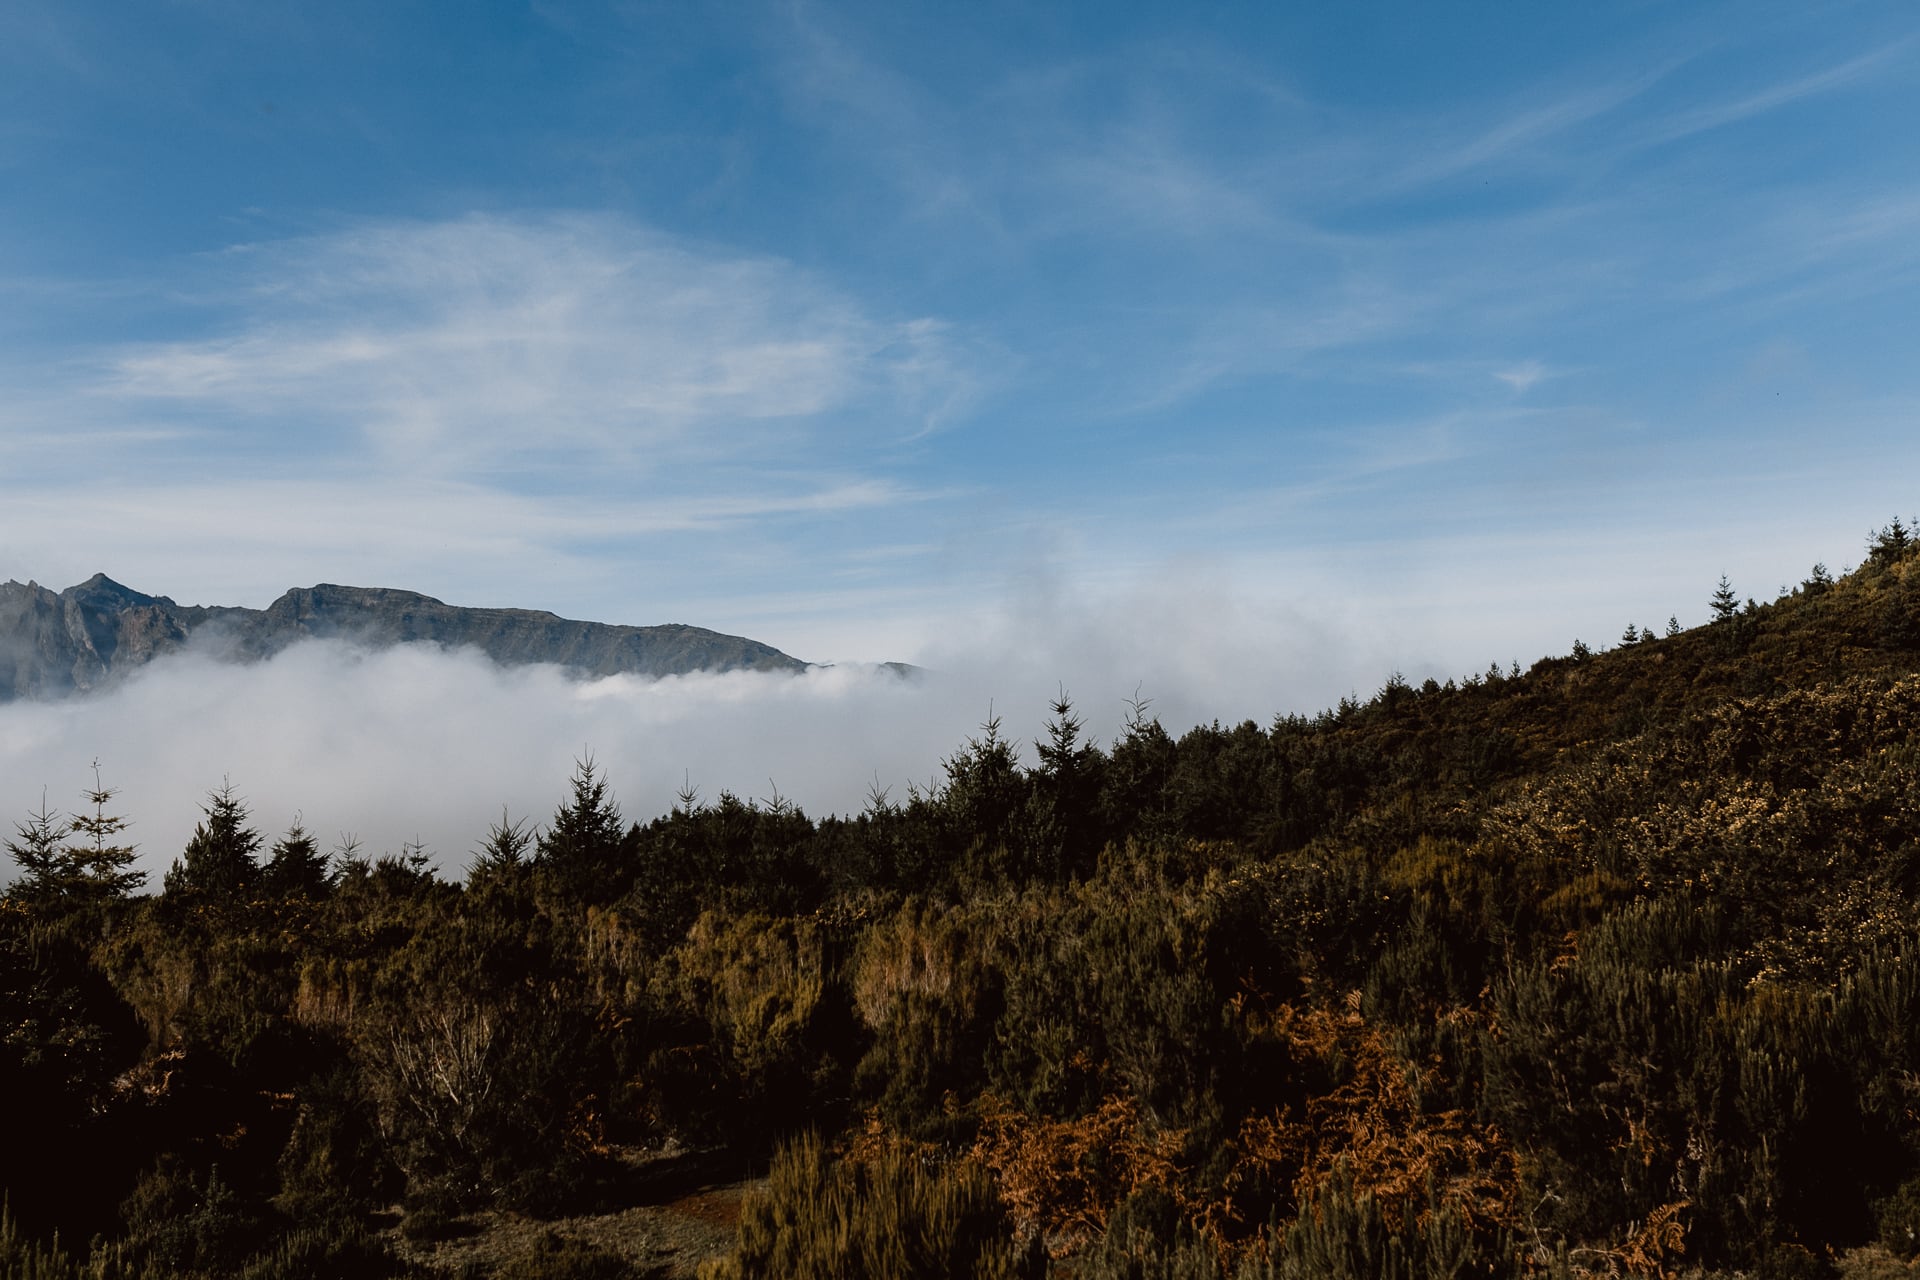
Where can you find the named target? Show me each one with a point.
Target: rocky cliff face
(54, 643)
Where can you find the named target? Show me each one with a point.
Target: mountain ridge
(89, 636)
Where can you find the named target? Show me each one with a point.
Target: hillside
(54, 643)
(1609, 966)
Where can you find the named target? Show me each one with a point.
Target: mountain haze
(54, 643)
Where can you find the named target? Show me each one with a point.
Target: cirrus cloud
(486, 341)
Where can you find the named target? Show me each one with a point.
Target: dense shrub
(897, 1217)
(1345, 1234)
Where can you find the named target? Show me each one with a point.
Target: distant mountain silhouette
(54, 643)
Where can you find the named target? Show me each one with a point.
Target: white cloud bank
(417, 742)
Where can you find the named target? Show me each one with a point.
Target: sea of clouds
(422, 744)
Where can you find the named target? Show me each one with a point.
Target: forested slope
(1611, 965)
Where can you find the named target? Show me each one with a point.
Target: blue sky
(1395, 336)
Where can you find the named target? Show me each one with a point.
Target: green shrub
(1871, 1262)
(1898, 1217)
(778, 1028)
(1342, 1235)
(333, 1163)
(328, 1253)
(478, 1099)
(177, 1221)
(554, 1258)
(897, 1218)
(1147, 1238)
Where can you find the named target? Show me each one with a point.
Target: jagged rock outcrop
(54, 643)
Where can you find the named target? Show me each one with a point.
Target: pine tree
(1063, 754)
(96, 869)
(1061, 819)
(218, 861)
(501, 862)
(56, 867)
(1673, 626)
(584, 848)
(1888, 543)
(36, 850)
(1725, 603)
(1135, 782)
(296, 867)
(984, 790)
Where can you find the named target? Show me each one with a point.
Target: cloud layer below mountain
(418, 743)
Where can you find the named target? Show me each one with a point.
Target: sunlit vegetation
(1609, 966)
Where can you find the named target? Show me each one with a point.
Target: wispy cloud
(857, 101)
(464, 345)
(1523, 377)
(1523, 131)
(1715, 115)
(1300, 334)
(440, 403)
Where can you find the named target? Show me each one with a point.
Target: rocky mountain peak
(99, 630)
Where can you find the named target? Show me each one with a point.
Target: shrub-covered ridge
(1608, 966)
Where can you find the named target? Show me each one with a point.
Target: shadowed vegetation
(1610, 966)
